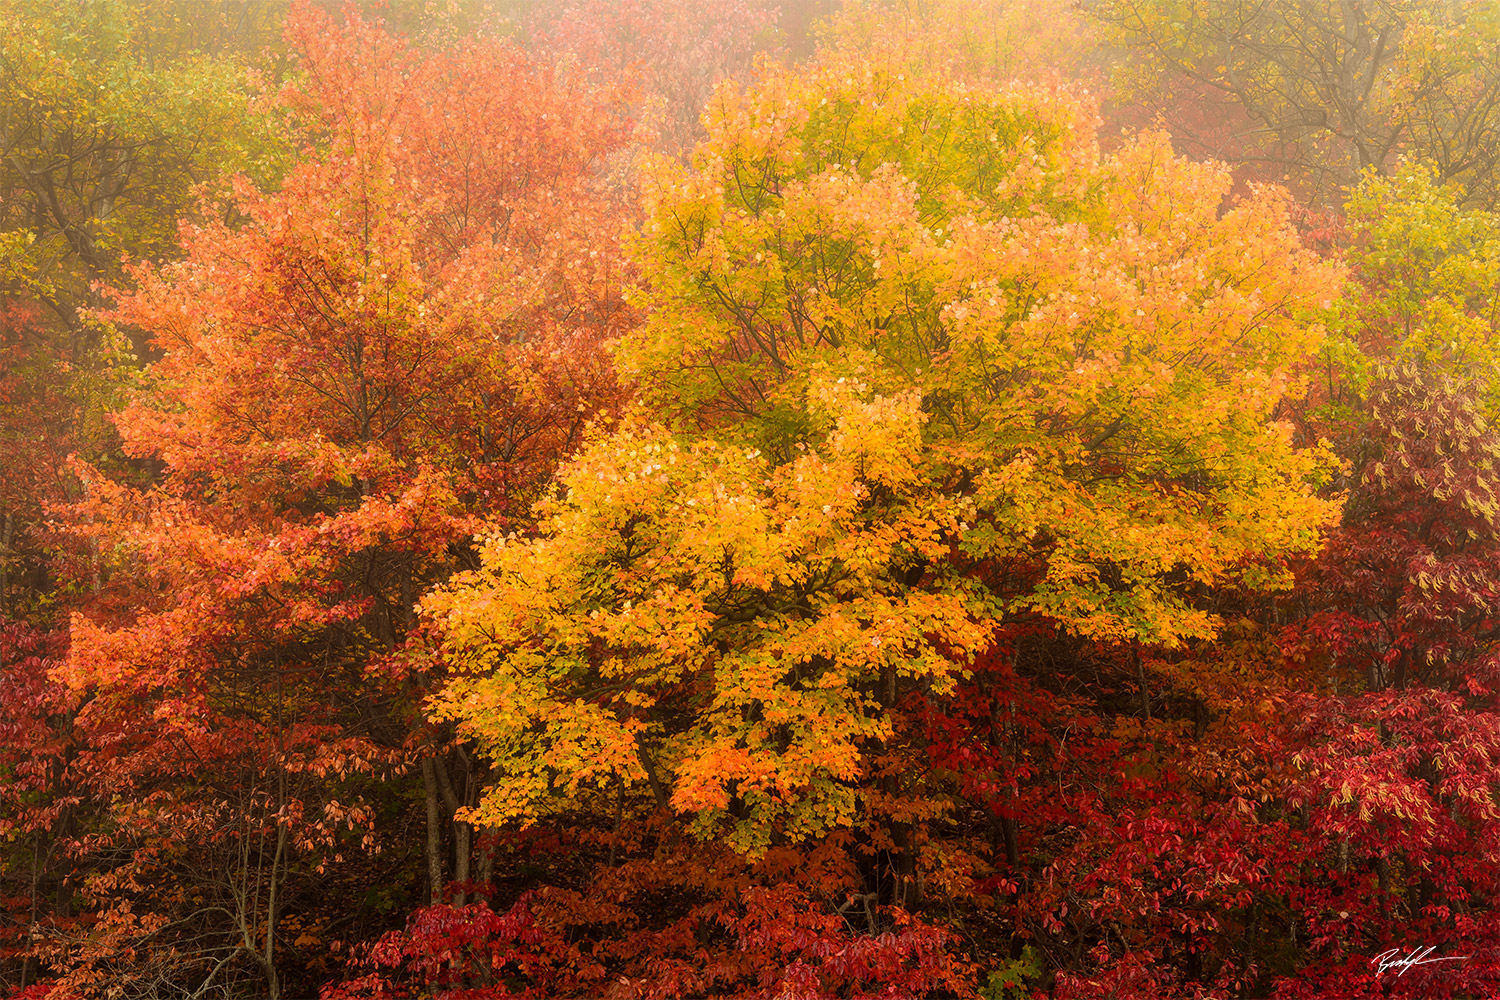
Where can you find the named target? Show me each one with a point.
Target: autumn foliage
(752, 500)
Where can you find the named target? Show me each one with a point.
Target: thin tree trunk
(1012, 838)
(1009, 826)
(272, 903)
(461, 852)
(614, 843)
(657, 789)
(462, 839)
(434, 833)
(5, 536)
(1140, 676)
(486, 873)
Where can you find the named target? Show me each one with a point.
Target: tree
(401, 336)
(1391, 768)
(112, 119)
(1428, 274)
(114, 113)
(35, 752)
(37, 432)
(1327, 91)
(917, 363)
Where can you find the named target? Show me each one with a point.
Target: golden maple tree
(908, 342)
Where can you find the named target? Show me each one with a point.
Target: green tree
(1429, 274)
(115, 111)
(1326, 90)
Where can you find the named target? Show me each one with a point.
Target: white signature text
(1396, 959)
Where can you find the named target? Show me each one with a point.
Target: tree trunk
(658, 790)
(6, 535)
(461, 830)
(1140, 676)
(273, 903)
(434, 833)
(1383, 879)
(486, 872)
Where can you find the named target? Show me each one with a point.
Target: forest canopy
(754, 499)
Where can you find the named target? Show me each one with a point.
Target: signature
(1394, 959)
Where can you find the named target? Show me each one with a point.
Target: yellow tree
(918, 360)
(1429, 274)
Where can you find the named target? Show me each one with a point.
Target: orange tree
(919, 366)
(352, 366)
